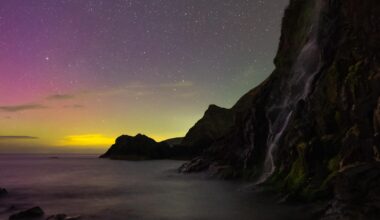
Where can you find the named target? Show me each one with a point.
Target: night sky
(75, 74)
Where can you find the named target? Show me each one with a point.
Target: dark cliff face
(318, 115)
(214, 124)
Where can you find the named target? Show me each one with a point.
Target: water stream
(307, 65)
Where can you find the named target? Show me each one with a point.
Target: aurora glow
(76, 74)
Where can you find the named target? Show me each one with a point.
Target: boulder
(3, 192)
(35, 212)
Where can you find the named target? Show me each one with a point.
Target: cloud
(24, 107)
(59, 97)
(13, 137)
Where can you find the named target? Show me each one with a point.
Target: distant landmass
(142, 147)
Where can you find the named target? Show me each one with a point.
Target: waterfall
(306, 66)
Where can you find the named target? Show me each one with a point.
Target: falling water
(307, 65)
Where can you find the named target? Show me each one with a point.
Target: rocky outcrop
(141, 147)
(32, 213)
(317, 114)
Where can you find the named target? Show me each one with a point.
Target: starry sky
(75, 74)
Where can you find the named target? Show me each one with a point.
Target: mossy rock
(297, 176)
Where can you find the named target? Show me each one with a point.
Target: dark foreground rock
(3, 192)
(141, 147)
(35, 212)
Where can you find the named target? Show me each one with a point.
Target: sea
(129, 190)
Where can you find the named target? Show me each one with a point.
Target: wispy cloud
(24, 107)
(13, 137)
(59, 97)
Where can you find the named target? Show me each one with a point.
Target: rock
(57, 217)
(74, 218)
(357, 194)
(195, 165)
(35, 212)
(3, 192)
(376, 118)
(63, 217)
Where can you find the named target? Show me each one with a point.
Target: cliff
(213, 125)
(312, 128)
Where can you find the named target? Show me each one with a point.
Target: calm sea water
(124, 190)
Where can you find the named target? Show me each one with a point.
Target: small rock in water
(57, 217)
(63, 217)
(74, 218)
(3, 192)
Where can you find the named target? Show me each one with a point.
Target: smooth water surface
(122, 190)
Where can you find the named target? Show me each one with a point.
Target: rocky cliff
(313, 126)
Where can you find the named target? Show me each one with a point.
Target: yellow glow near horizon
(87, 140)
